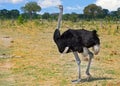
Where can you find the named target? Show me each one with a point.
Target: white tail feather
(96, 49)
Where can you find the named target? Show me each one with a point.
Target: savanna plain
(29, 56)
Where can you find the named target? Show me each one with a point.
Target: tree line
(30, 10)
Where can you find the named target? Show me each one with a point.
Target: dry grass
(35, 60)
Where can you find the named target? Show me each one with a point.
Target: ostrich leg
(79, 70)
(86, 52)
(88, 67)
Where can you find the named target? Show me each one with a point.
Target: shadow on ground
(96, 79)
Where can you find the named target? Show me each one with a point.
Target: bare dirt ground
(35, 60)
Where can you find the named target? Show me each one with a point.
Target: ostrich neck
(59, 19)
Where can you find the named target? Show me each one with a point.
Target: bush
(20, 19)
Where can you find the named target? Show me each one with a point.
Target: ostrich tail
(56, 35)
(95, 33)
(96, 49)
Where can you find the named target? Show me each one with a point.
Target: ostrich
(77, 41)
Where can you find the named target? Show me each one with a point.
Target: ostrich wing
(72, 40)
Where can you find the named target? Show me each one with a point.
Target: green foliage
(93, 10)
(14, 13)
(31, 7)
(46, 16)
(9, 14)
(118, 12)
(74, 17)
(20, 19)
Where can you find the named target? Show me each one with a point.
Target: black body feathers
(75, 39)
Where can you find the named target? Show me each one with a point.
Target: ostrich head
(60, 7)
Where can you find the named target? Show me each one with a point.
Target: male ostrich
(77, 41)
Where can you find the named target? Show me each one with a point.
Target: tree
(14, 13)
(31, 8)
(92, 11)
(20, 19)
(113, 13)
(54, 16)
(46, 16)
(74, 17)
(118, 12)
(9, 14)
(66, 17)
(4, 13)
(105, 12)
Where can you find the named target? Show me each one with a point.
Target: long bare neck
(60, 19)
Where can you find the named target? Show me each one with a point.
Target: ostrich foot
(89, 77)
(76, 81)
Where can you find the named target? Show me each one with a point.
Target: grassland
(32, 59)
